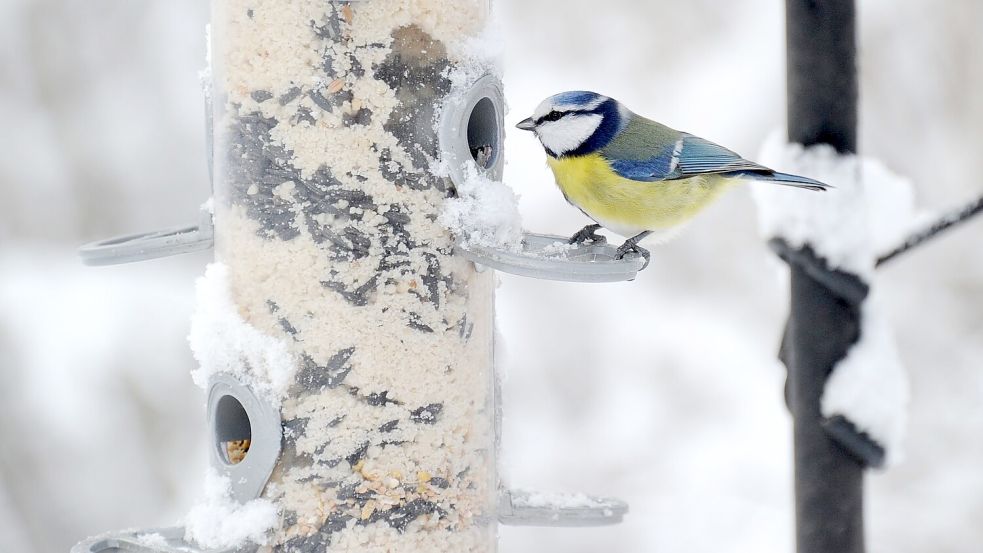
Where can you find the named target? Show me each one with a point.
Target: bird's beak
(526, 124)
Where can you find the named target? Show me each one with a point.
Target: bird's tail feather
(791, 180)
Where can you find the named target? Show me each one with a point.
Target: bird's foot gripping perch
(588, 234)
(631, 246)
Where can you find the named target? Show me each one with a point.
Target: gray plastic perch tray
(524, 508)
(516, 508)
(151, 245)
(155, 540)
(577, 263)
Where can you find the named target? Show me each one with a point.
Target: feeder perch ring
(151, 245)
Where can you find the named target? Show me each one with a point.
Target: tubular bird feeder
(369, 412)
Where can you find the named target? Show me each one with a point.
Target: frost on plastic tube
(484, 213)
(326, 209)
(869, 211)
(218, 522)
(222, 341)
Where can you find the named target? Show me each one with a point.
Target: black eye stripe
(557, 115)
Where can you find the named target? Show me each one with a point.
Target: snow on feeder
(344, 338)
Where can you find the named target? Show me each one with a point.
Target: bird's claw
(588, 234)
(630, 246)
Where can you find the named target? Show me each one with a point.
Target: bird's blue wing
(659, 167)
(699, 156)
(687, 157)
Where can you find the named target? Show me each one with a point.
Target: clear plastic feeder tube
(327, 123)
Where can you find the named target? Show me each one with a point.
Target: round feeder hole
(233, 431)
(471, 130)
(484, 139)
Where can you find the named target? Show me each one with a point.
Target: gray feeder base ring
(516, 508)
(579, 263)
(522, 508)
(136, 541)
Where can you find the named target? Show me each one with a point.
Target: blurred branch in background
(947, 222)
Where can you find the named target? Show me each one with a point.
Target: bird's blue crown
(583, 102)
(579, 98)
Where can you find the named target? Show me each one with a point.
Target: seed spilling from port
(484, 133)
(233, 431)
(236, 451)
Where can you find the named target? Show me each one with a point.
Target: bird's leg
(588, 233)
(631, 246)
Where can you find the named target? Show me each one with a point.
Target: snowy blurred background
(664, 391)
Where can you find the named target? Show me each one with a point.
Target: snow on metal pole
(825, 318)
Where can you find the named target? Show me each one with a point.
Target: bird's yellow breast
(627, 206)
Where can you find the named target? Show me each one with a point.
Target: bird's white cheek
(568, 133)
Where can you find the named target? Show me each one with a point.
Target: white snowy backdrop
(664, 391)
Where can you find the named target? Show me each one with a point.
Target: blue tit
(632, 175)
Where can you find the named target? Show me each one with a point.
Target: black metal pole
(822, 73)
(824, 319)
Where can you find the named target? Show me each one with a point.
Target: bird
(634, 176)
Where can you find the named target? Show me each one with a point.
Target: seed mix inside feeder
(344, 339)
